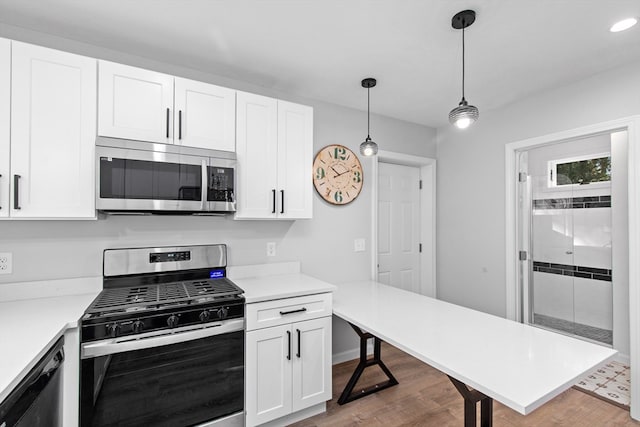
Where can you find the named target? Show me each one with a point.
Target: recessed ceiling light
(625, 24)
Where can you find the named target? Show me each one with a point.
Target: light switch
(358, 245)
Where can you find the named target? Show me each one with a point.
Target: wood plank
(426, 397)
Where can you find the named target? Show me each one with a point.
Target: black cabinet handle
(301, 310)
(273, 192)
(281, 201)
(179, 124)
(167, 122)
(298, 353)
(16, 192)
(289, 345)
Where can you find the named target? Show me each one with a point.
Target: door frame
(427, 168)
(632, 126)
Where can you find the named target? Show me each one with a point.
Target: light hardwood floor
(426, 397)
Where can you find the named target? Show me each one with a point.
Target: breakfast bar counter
(518, 365)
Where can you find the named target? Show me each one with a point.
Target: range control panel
(170, 256)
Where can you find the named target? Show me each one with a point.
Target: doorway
(569, 196)
(514, 309)
(403, 231)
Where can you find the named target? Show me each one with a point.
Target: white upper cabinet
(53, 129)
(205, 115)
(135, 103)
(148, 106)
(5, 125)
(274, 148)
(295, 156)
(257, 151)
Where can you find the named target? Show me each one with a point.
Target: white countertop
(26, 337)
(518, 365)
(257, 289)
(28, 328)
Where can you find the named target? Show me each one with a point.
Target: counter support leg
(471, 398)
(348, 395)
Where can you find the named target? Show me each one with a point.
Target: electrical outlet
(358, 245)
(6, 262)
(271, 248)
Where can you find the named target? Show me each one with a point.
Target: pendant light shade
(464, 114)
(368, 147)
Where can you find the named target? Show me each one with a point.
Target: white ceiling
(321, 49)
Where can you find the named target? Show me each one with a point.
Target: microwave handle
(205, 184)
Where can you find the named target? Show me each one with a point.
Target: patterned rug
(611, 383)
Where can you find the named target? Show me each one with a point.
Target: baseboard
(297, 416)
(623, 358)
(350, 354)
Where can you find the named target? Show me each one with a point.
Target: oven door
(182, 377)
(136, 180)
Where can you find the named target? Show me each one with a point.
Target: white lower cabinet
(71, 378)
(288, 367)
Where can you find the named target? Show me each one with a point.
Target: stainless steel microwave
(143, 177)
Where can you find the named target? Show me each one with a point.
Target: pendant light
(368, 147)
(464, 114)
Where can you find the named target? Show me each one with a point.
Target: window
(580, 170)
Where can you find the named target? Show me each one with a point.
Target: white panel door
(257, 155)
(311, 362)
(205, 115)
(399, 226)
(135, 103)
(268, 374)
(295, 157)
(5, 125)
(53, 129)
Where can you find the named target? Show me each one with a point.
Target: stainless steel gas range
(163, 343)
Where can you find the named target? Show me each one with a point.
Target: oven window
(140, 179)
(180, 384)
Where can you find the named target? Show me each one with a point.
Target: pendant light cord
(368, 115)
(463, 60)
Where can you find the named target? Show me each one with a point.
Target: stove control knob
(222, 313)
(204, 316)
(172, 321)
(137, 326)
(113, 329)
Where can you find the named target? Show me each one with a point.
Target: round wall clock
(337, 174)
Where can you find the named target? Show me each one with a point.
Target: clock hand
(341, 173)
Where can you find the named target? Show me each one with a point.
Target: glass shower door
(552, 278)
(569, 278)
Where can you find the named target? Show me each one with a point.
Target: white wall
(471, 186)
(324, 245)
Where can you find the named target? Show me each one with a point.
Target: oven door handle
(119, 345)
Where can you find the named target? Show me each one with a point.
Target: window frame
(552, 171)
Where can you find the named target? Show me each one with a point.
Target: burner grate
(113, 299)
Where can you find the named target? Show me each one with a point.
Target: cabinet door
(5, 125)
(256, 147)
(295, 157)
(311, 362)
(53, 130)
(134, 103)
(205, 115)
(268, 374)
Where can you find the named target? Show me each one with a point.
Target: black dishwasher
(35, 402)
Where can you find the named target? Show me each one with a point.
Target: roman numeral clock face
(337, 174)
